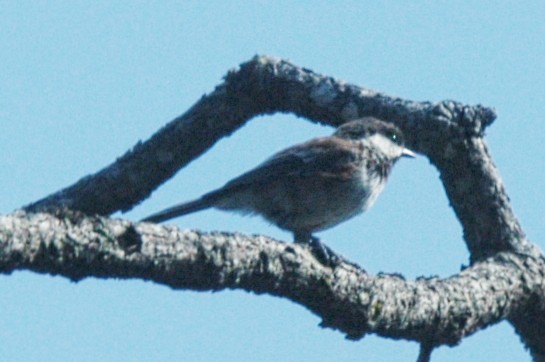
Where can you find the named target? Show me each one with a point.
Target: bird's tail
(179, 210)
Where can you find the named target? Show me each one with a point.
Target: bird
(311, 186)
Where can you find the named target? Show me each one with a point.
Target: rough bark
(504, 281)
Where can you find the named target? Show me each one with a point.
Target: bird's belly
(313, 207)
(306, 205)
(334, 211)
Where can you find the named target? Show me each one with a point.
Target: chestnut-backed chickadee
(314, 185)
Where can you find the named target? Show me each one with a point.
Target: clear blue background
(81, 82)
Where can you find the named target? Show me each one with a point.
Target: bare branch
(505, 280)
(346, 298)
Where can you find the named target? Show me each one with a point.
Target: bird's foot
(324, 253)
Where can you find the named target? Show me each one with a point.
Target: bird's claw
(324, 254)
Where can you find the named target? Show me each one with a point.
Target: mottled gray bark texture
(505, 279)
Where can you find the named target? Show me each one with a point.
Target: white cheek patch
(389, 148)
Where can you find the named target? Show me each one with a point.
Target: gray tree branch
(505, 279)
(347, 298)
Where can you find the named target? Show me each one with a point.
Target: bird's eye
(394, 136)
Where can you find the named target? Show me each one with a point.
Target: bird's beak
(408, 153)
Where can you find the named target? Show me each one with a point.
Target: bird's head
(384, 137)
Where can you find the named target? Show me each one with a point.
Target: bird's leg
(322, 252)
(302, 237)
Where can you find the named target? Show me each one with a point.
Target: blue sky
(81, 82)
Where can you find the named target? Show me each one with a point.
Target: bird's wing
(326, 157)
